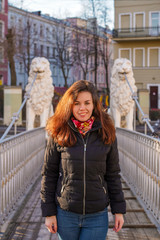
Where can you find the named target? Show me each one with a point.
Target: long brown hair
(57, 125)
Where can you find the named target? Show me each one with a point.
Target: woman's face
(83, 106)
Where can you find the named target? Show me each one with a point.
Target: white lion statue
(121, 102)
(40, 101)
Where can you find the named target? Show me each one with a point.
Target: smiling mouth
(82, 114)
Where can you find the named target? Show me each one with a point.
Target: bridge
(21, 159)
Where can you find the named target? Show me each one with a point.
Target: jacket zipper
(84, 174)
(84, 179)
(102, 184)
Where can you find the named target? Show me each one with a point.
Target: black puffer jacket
(83, 178)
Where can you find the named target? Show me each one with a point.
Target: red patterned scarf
(83, 127)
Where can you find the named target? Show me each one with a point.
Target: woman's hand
(51, 224)
(119, 220)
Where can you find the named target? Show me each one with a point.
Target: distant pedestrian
(80, 175)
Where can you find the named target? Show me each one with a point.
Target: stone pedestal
(143, 98)
(12, 103)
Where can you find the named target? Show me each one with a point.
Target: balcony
(136, 33)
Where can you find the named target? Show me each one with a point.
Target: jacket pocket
(104, 189)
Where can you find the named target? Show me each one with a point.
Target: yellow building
(137, 37)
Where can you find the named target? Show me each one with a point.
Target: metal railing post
(0, 187)
(134, 120)
(145, 118)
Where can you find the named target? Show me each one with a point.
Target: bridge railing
(21, 158)
(140, 166)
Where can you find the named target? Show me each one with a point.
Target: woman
(80, 176)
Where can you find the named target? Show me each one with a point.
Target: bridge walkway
(27, 223)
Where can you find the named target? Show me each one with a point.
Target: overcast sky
(57, 8)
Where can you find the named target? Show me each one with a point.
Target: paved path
(28, 224)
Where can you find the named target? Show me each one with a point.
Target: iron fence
(136, 32)
(140, 166)
(21, 158)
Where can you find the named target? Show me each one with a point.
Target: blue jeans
(73, 226)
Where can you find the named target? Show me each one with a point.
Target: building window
(12, 21)
(47, 33)
(54, 53)
(102, 61)
(20, 46)
(35, 49)
(155, 18)
(53, 33)
(79, 75)
(35, 28)
(155, 23)
(20, 24)
(0, 5)
(64, 55)
(125, 53)
(91, 61)
(67, 55)
(87, 76)
(91, 76)
(54, 71)
(48, 52)
(153, 57)
(1, 54)
(21, 67)
(99, 77)
(139, 20)
(139, 57)
(84, 58)
(84, 42)
(1, 30)
(60, 72)
(125, 21)
(41, 31)
(41, 50)
(102, 78)
(87, 43)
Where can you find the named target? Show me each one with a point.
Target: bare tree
(64, 51)
(82, 50)
(105, 53)
(19, 41)
(20, 38)
(26, 37)
(95, 37)
(11, 51)
(96, 11)
(91, 11)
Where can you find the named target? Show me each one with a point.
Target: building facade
(34, 36)
(41, 35)
(3, 32)
(137, 37)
